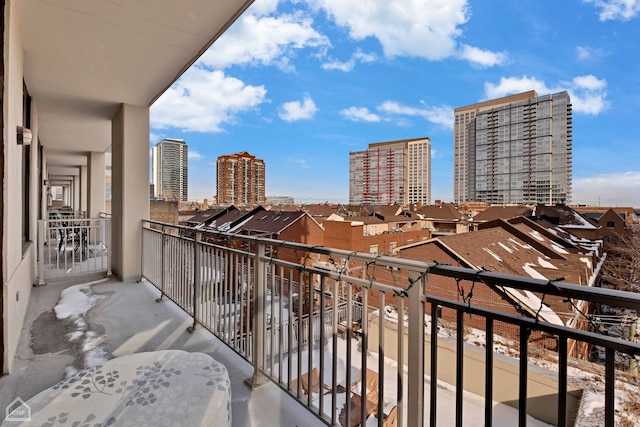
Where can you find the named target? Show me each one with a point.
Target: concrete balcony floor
(123, 318)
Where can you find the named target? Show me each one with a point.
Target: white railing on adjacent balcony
(69, 244)
(266, 300)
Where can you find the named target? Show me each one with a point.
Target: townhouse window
(610, 224)
(373, 249)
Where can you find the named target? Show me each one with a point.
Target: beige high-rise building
(240, 180)
(514, 150)
(394, 172)
(170, 169)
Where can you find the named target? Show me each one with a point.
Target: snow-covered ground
(473, 412)
(582, 374)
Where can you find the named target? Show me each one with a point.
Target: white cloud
(590, 82)
(623, 10)
(296, 110)
(428, 29)
(358, 57)
(511, 85)
(442, 115)
(362, 114)
(481, 58)
(583, 53)
(262, 7)
(300, 162)
(586, 53)
(612, 189)
(154, 138)
(194, 155)
(420, 28)
(588, 93)
(203, 101)
(264, 40)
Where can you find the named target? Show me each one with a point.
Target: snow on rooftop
(535, 305)
(579, 222)
(546, 264)
(536, 235)
(493, 254)
(505, 247)
(239, 226)
(515, 242)
(528, 268)
(587, 261)
(559, 249)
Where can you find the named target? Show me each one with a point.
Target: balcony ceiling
(83, 59)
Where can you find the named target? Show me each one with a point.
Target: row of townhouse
(551, 243)
(375, 233)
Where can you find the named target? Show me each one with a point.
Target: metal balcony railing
(69, 243)
(305, 328)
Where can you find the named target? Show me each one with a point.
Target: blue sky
(302, 83)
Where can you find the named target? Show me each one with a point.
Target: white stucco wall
(18, 267)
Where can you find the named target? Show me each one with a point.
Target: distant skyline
(300, 84)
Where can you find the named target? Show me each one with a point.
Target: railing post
(42, 228)
(108, 238)
(196, 279)
(163, 244)
(258, 316)
(633, 362)
(415, 356)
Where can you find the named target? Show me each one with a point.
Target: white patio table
(160, 388)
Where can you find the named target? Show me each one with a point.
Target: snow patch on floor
(74, 304)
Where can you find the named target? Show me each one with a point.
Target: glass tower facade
(514, 150)
(170, 169)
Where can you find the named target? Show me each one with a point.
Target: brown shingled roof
(444, 211)
(208, 215)
(563, 215)
(502, 212)
(229, 219)
(267, 222)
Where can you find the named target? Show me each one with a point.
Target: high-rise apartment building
(391, 172)
(170, 169)
(240, 180)
(514, 150)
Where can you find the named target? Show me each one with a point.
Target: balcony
(246, 285)
(261, 308)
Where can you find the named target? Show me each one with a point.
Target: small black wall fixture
(24, 136)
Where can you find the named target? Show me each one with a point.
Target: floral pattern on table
(170, 387)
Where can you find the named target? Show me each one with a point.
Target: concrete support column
(83, 189)
(129, 188)
(95, 183)
(75, 185)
